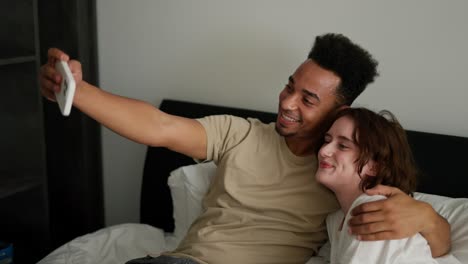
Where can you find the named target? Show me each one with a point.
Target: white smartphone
(67, 88)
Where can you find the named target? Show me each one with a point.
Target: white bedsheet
(447, 259)
(115, 244)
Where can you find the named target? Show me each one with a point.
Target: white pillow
(188, 186)
(455, 210)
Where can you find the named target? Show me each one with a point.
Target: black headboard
(441, 158)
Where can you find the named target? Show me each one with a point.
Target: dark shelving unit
(23, 180)
(50, 185)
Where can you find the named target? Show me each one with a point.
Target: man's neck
(302, 146)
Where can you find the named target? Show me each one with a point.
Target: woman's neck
(346, 198)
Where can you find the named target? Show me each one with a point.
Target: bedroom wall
(240, 53)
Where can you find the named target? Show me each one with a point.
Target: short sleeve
(223, 132)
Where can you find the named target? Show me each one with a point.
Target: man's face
(307, 99)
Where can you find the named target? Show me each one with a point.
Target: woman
(361, 150)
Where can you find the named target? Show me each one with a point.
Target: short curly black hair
(354, 65)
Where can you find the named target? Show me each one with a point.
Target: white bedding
(117, 244)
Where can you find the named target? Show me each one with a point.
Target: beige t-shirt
(264, 205)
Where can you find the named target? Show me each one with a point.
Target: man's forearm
(133, 119)
(437, 234)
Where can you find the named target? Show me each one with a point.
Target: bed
(441, 158)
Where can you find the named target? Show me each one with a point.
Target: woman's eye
(341, 146)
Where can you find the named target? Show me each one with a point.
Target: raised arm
(136, 120)
(400, 216)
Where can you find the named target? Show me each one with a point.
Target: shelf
(20, 89)
(14, 183)
(17, 60)
(24, 187)
(22, 133)
(17, 28)
(24, 223)
(44, 191)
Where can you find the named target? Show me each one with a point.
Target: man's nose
(290, 102)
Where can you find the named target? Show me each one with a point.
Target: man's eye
(307, 102)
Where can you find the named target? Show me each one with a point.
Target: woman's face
(337, 157)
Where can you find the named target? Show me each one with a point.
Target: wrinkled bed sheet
(115, 244)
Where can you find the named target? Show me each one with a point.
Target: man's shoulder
(259, 123)
(223, 121)
(229, 126)
(235, 118)
(237, 122)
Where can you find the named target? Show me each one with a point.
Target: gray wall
(240, 53)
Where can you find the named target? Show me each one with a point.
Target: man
(264, 205)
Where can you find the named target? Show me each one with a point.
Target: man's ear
(370, 169)
(343, 107)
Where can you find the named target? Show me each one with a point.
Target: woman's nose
(326, 150)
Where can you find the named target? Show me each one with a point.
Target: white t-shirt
(346, 249)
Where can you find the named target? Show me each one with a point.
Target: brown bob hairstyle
(381, 138)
